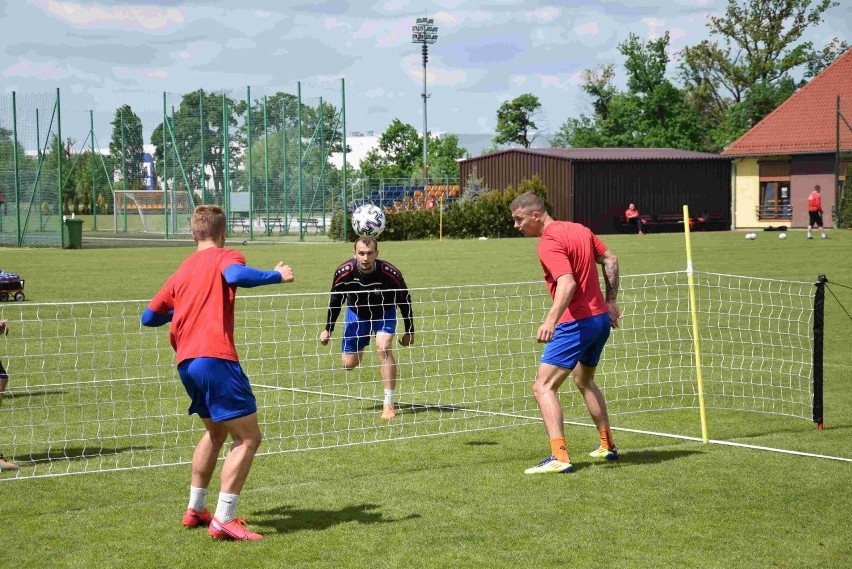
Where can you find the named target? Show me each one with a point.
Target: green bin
(73, 233)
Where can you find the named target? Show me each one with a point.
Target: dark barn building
(593, 186)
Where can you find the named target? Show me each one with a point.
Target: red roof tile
(806, 122)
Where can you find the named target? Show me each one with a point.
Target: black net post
(819, 325)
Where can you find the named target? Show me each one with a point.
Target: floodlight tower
(424, 32)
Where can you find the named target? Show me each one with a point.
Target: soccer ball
(368, 221)
(782, 236)
(751, 236)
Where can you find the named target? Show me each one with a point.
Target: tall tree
(132, 150)
(515, 121)
(190, 120)
(737, 82)
(652, 112)
(400, 151)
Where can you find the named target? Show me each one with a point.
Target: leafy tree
(444, 153)
(400, 151)
(188, 125)
(737, 82)
(652, 112)
(515, 124)
(133, 146)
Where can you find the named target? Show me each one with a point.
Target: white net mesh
(92, 390)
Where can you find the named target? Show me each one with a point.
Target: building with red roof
(794, 148)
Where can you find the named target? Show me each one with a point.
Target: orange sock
(559, 450)
(606, 438)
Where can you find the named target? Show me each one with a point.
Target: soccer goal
(153, 211)
(92, 390)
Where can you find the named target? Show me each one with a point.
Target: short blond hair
(528, 201)
(368, 241)
(208, 222)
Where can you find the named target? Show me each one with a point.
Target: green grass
(462, 500)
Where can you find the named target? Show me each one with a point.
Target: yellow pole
(441, 217)
(693, 308)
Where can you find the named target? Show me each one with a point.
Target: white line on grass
(575, 423)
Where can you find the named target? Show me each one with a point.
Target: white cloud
(656, 27)
(547, 81)
(435, 75)
(157, 73)
(333, 23)
(518, 80)
(394, 5)
(587, 29)
(126, 17)
(546, 14)
(240, 43)
(25, 68)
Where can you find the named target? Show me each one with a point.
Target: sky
(105, 54)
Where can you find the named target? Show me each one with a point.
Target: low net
(92, 390)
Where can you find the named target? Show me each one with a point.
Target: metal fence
(264, 157)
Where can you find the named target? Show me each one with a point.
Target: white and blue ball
(782, 236)
(368, 220)
(751, 236)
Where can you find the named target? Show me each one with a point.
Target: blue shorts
(578, 341)
(218, 388)
(357, 332)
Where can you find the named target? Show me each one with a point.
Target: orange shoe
(388, 413)
(235, 530)
(193, 518)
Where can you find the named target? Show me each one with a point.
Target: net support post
(819, 326)
(693, 310)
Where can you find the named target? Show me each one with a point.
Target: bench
(623, 225)
(714, 221)
(311, 222)
(241, 222)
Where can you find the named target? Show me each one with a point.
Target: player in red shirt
(198, 300)
(576, 327)
(815, 212)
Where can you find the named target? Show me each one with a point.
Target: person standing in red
(815, 212)
(576, 327)
(198, 300)
(631, 214)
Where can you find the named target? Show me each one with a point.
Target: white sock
(809, 232)
(226, 509)
(388, 396)
(197, 498)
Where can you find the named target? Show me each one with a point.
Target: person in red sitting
(631, 214)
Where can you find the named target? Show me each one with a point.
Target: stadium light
(424, 32)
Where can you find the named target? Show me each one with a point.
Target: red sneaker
(193, 518)
(235, 530)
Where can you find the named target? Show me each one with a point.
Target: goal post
(149, 211)
(92, 390)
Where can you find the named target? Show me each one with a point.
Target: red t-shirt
(203, 321)
(567, 247)
(631, 213)
(815, 202)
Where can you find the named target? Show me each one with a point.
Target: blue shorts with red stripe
(578, 341)
(219, 389)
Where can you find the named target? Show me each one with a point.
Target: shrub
(486, 216)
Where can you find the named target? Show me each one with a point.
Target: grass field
(462, 500)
